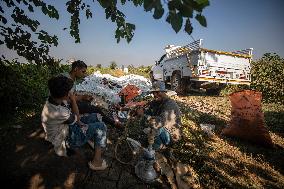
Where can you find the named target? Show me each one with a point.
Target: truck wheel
(178, 84)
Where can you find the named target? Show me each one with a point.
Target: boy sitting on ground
(61, 126)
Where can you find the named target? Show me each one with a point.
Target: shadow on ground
(28, 161)
(223, 162)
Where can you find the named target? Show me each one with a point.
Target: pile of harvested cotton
(108, 87)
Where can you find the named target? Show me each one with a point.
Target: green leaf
(3, 19)
(158, 13)
(83, 6)
(201, 19)
(203, 3)
(168, 19)
(137, 2)
(25, 2)
(176, 22)
(118, 34)
(194, 5)
(44, 10)
(88, 13)
(188, 28)
(130, 26)
(108, 12)
(105, 3)
(171, 5)
(149, 4)
(177, 4)
(31, 9)
(186, 11)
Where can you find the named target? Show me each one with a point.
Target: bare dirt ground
(28, 161)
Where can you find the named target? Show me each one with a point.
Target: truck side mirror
(156, 62)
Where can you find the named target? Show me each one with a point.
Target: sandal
(100, 168)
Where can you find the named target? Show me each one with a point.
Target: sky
(231, 25)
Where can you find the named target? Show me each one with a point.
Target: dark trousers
(86, 107)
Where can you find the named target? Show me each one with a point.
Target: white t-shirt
(53, 118)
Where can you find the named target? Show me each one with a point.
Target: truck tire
(178, 84)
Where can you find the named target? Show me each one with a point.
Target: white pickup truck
(194, 67)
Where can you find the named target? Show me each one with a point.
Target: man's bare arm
(74, 106)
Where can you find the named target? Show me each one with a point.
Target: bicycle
(126, 148)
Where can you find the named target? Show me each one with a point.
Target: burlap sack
(130, 91)
(247, 119)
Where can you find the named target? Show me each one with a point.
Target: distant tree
(21, 33)
(99, 66)
(130, 67)
(113, 65)
(91, 69)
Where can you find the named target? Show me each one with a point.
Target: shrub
(142, 70)
(12, 88)
(24, 85)
(268, 77)
(113, 65)
(91, 70)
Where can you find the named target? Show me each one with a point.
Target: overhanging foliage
(22, 34)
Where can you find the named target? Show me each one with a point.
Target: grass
(223, 162)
